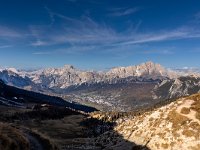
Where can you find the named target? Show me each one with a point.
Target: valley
(145, 112)
(165, 126)
(99, 75)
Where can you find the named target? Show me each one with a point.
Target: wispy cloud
(39, 43)
(51, 15)
(6, 32)
(124, 11)
(74, 31)
(166, 35)
(66, 50)
(85, 34)
(163, 52)
(86, 31)
(5, 46)
(156, 37)
(42, 53)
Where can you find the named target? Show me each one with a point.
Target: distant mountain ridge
(68, 75)
(12, 77)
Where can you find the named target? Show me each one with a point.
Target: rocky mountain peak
(14, 70)
(150, 63)
(68, 75)
(68, 67)
(148, 69)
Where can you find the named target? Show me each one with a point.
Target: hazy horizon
(193, 69)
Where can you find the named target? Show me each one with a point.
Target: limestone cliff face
(172, 127)
(68, 75)
(63, 77)
(148, 69)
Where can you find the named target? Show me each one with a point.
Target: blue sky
(99, 34)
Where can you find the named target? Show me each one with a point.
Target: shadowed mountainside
(15, 96)
(66, 131)
(53, 127)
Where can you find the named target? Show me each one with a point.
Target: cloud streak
(159, 36)
(85, 34)
(6, 32)
(163, 52)
(124, 11)
(86, 31)
(5, 46)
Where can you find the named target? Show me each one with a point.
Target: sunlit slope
(174, 126)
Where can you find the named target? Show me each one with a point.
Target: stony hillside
(178, 87)
(174, 126)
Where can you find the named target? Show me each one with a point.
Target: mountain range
(119, 88)
(68, 75)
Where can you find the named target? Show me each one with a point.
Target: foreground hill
(174, 126)
(16, 138)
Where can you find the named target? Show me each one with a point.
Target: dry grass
(177, 120)
(12, 138)
(196, 104)
(59, 132)
(197, 147)
(188, 133)
(165, 146)
(185, 110)
(195, 126)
